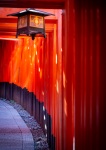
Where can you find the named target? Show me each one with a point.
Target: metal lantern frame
(30, 22)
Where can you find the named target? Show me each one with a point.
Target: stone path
(14, 133)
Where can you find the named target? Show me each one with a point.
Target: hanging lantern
(30, 22)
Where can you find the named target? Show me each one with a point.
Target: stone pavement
(14, 133)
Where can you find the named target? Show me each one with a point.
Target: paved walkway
(14, 134)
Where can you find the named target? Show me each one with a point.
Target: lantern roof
(30, 11)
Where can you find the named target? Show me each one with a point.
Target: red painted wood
(83, 66)
(68, 75)
(33, 3)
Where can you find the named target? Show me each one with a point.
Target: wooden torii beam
(57, 4)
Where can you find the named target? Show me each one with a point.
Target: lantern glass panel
(22, 22)
(36, 21)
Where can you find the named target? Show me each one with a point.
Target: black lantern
(30, 22)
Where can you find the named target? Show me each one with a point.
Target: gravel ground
(40, 139)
